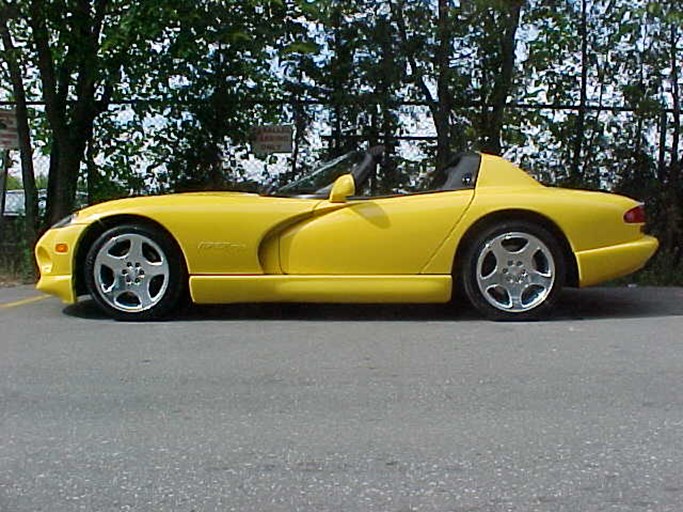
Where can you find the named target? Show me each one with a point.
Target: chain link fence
(138, 147)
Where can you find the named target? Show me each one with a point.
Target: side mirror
(343, 187)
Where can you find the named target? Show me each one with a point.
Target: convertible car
(485, 231)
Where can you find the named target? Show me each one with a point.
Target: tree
(416, 46)
(495, 40)
(86, 53)
(228, 87)
(75, 88)
(12, 60)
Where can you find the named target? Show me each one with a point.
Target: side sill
(321, 288)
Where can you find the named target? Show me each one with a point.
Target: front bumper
(55, 253)
(599, 265)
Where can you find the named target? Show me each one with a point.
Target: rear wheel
(513, 271)
(135, 272)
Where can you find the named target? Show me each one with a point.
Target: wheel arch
(98, 227)
(572, 272)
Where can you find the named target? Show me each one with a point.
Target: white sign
(272, 139)
(9, 138)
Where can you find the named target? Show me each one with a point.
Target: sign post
(4, 158)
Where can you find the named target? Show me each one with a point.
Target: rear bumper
(598, 265)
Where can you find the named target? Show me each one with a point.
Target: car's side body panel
(218, 232)
(391, 235)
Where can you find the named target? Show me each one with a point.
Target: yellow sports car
(485, 228)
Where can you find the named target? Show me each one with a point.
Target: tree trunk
(65, 162)
(389, 178)
(503, 80)
(71, 123)
(575, 177)
(337, 85)
(661, 158)
(24, 133)
(676, 216)
(443, 110)
(675, 172)
(439, 108)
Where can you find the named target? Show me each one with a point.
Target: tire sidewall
(176, 280)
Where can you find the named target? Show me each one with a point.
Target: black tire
(513, 270)
(135, 272)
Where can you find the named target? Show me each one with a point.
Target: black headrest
(461, 172)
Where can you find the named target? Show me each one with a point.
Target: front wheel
(135, 272)
(513, 271)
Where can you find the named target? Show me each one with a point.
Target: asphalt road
(338, 408)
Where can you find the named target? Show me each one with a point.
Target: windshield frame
(331, 167)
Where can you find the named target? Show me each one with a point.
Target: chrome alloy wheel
(515, 272)
(131, 272)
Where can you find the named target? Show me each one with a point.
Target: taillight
(635, 215)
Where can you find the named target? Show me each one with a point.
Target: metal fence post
(661, 158)
(4, 168)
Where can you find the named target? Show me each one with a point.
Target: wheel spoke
(143, 295)
(155, 269)
(495, 278)
(499, 251)
(115, 263)
(113, 292)
(114, 289)
(527, 253)
(544, 280)
(135, 253)
(516, 294)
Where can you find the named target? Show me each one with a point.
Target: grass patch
(17, 268)
(17, 265)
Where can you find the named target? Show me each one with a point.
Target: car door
(389, 235)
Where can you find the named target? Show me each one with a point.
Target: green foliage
(196, 77)
(17, 264)
(663, 270)
(13, 183)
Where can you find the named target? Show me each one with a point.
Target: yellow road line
(23, 301)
